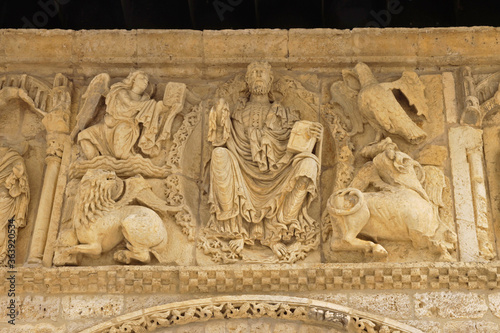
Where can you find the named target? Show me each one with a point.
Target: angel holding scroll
(132, 116)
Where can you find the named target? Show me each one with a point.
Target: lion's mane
(93, 197)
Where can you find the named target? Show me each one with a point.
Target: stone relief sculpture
(114, 202)
(127, 105)
(391, 197)
(365, 100)
(263, 170)
(134, 125)
(104, 215)
(14, 196)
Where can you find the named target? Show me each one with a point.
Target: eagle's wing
(413, 89)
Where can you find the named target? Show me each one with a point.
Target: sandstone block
(449, 305)
(426, 326)
(53, 46)
(39, 328)
(215, 327)
(178, 46)
(78, 307)
(390, 305)
(319, 45)
(108, 47)
(494, 304)
(285, 327)
(237, 326)
(34, 308)
(243, 46)
(470, 327)
(257, 327)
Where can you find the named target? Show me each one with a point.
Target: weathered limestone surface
(250, 181)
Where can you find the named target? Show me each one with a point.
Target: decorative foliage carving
(175, 198)
(251, 307)
(180, 137)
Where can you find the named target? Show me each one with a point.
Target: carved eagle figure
(363, 99)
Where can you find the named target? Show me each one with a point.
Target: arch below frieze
(332, 317)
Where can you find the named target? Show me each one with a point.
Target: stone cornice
(193, 52)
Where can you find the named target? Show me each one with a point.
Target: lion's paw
(122, 256)
(379, 251)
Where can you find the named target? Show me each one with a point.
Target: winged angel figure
(264, 167)
(132, 117)
(364, 100)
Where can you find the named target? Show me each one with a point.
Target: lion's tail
(345, 202)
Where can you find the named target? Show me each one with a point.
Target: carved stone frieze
(360, 167)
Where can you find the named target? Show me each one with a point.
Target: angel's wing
(98, 87)
(345, 94)
(414, 90)
(297, 98)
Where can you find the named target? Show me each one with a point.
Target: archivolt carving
(252, 307)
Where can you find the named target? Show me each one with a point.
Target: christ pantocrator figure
(263, 174)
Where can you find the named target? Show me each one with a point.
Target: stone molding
(294, 47)
(255, 278)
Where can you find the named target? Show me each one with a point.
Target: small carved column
(475, 159)
(56, 123)
(471, 206)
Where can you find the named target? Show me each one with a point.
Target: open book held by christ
(300, 139)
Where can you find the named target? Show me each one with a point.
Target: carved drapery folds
(14, 200)
(264, 169)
